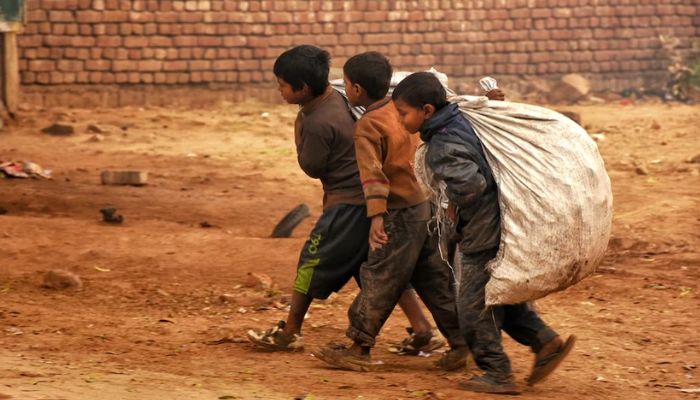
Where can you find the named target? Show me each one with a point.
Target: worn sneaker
(454, 359)
(419, 342)
(339, 356)
(274, 339)
(490, 384)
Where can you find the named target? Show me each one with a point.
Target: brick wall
(233, 43)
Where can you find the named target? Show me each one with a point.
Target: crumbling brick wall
(159, 43)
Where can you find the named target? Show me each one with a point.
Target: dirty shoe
(274, 339)
(490, 384)
(340, 356)
(418, 342)
(454, 359)
(547, 360)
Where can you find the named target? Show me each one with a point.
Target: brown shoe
(340, 356)
(546, 364)
(490, 384)
(454, 359)
(418, 342)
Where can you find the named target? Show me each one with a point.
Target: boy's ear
(358, 90)
(428, 110)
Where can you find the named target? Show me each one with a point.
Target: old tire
(290, 221)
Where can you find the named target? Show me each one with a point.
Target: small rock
(695, 160)
(252, 300)
(92, 128)
(258, 281)
(227, 298)
(655, 126)
(60, 279)
(641, 170)
(59, 130)
(96, 138)
(109, 215)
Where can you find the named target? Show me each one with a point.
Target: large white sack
(554, 194)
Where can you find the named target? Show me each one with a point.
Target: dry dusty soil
(151, 301)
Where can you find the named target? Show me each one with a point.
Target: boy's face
(411, 117)
(290, 95)
(353, 92)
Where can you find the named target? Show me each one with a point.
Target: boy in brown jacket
(401, 250)
(337, 245)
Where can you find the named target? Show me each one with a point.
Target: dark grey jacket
(455, 156)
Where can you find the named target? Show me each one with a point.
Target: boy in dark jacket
(401, 251)
(455, 157)
(338, 245)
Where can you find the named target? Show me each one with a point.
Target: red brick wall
(175, 42)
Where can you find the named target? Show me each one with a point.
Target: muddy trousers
(410, 256)
(482, 326)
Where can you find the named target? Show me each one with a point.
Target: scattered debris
(290, 221)
(109, 215)
(61, 279)
(23, 169)
(134, 178)
(258, 281)
(59, 130)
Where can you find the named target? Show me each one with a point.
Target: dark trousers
(482, 326)
(411, 256)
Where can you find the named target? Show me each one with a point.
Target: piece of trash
(24, 169)
(689, 390)
(102, 269)
(191, 155)
(598, 137)
(59, 130)
(110, 215)
(167, 321)
(12, 331)
(134, 178)
(265, 114)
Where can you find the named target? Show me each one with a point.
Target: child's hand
(496, 94)
(377, 235)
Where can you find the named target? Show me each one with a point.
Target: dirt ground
(141, 326)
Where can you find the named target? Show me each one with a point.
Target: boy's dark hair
(372, 71)
(304, 64)
(420, 89)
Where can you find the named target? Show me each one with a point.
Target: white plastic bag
(554, 194)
